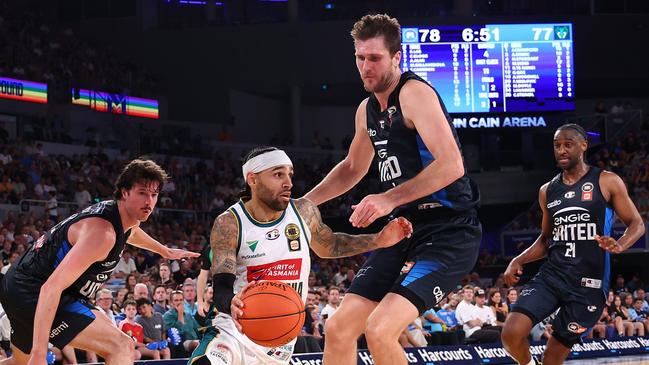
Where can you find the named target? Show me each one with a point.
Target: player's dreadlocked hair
(246, 193)
(575, 127)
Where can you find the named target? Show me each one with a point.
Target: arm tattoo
(223, 241)
(327, 243)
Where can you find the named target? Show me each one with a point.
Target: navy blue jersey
(401, 153)
(39, 262)
(579, 212)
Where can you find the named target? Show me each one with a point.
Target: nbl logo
(389, 169)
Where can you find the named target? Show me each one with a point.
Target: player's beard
(382, 84)
(573, 161)
(266, 196)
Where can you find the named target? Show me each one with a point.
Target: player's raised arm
(351, 170)
(141, 239)
(625, 209)
(328, 244)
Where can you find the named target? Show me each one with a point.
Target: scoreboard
(494, 68)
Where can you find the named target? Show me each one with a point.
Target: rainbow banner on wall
(23, 90)
(116, 103)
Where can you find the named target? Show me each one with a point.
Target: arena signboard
(23, 90)
(495, 353)
(479, 353)
(116, 103)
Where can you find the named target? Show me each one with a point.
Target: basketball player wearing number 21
(267, 236)
(578, 208)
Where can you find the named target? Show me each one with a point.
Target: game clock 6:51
(481, 35)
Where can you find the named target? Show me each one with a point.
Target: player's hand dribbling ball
(273, 313)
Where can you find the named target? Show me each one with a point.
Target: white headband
(265, 161)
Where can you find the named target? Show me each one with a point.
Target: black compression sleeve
(223, 285)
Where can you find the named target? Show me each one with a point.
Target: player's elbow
(353, 168)
(321, 252)
(50, 289)
(455, 169)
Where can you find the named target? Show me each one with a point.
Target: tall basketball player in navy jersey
(45, 293)
(578, 207)
(405, 126)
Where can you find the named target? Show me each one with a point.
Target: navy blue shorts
(72, 315)
(425, 267)
(579, 307)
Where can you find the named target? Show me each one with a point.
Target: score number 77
(545, 32)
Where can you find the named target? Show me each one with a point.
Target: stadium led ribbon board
(23, 90)
(105, 102)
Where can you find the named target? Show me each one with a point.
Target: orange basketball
(273, 313)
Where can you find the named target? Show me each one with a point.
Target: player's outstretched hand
(236, 307)
(369, 209)
(177, 254)
(393, 232)
(513, 273)
(608, 243)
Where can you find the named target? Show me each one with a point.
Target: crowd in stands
(27, 171)
(36, 49)
(627, 157)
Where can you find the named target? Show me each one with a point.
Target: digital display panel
(23, 90)
(116, 103)
(494, 68)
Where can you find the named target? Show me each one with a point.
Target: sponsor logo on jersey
(272, 235)
(102, 277)
(586, 196)
(573, 224)
(363, 271)
(407, 266)
(252, 245)
(39, 243)
(292, 233)
(108, 263)
(289, 269)
(526, 292)
(554, 204)
(569, 195)
(438, 293)
(592, 308)
(591, 283)
(59, 329)
(389, 169)
(574, 327)
(587, 187)
(222, 352)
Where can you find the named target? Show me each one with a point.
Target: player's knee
(122, 345)
(511, 334)
(378, 331)
(340, 331)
